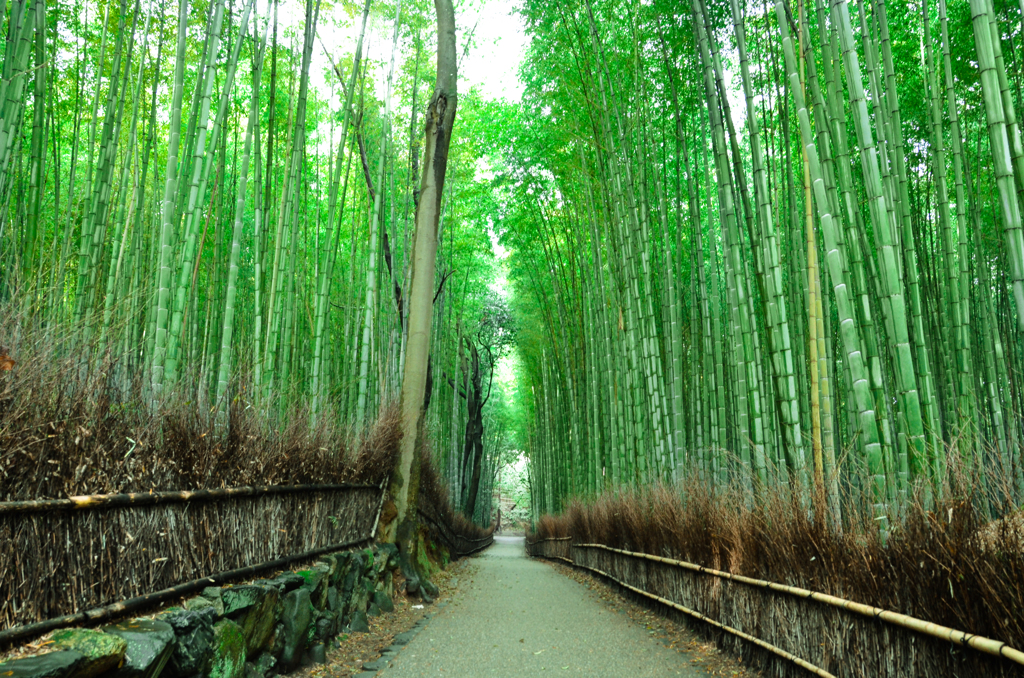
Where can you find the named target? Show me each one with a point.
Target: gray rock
(251, 671)
(332, 564)
(333, 599)
(52, 665)
(358, 623)
(265, 664)
(356, 564)
(341, 568)
(267, 582)
(404, 638)
(318, 653)
(326, 627)
(202, 603)
(315, 581)
(295, 619)
(212, 592)
(372, 610)
(257, 621)
(194, 631)
(289, 581)
(358, 602)
(390, 553)
(150, 645)
(239, 598)
(102, 651)
(376, 665)
(276, 644)
(228, 656)
(383, 601)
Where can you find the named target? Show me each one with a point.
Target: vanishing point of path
(521, 618)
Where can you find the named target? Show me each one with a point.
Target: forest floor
(503, 614)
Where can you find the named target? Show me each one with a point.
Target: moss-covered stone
(355, 570)
(383, 602)
(102, 651)
(258, 620)
(296, 617)
(316, 580)
(289, 581)
(201, 603)
(341, 568)
(228, 652)
(368, 560)
(240, 598)
(150, 644)
(51, 665)
(332, 564)
(359, 623)
(194, 631)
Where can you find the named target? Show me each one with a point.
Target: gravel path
(518, 617)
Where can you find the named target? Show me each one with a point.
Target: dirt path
(519, 617)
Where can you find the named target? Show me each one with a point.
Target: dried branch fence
(459, 545)
(789, 630)
(64, 558)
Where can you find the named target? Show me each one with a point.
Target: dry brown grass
(75, 422)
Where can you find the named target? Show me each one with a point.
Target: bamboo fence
(790, 630)
(60, 558)
(459, 545)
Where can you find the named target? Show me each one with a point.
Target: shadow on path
(518, 617)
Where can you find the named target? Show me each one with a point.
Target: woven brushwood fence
(458, 544)
(789, 631)
(63, 557)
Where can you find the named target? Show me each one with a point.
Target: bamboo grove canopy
(206, 207)
(767, 244)
(770, 243)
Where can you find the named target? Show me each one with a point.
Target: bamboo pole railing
(451, 539)
(961, 638)
(816, 670)
(95, 501)
(149, 600)
(96, 615)
(537, 541)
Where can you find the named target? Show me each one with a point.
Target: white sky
(492, 63)
(498, 45)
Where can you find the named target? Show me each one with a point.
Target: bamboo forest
(670, 260)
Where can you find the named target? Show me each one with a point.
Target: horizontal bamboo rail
(99, 614)
(816, 670)
(95, 501)
(446, 535)
(531, 543)
(962, 638)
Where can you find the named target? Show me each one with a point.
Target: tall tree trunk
(440, 118)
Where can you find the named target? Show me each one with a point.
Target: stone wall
(255, 630)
